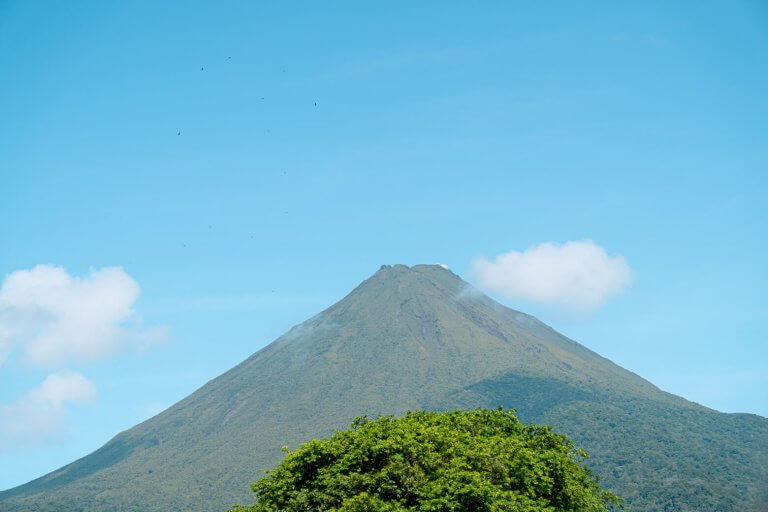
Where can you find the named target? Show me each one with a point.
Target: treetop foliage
(460, 461)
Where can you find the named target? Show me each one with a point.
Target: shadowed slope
(410, 338)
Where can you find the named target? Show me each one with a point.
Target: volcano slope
(415, 338)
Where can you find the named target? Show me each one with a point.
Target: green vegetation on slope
(658, 457)
(408, 339)
(461, 461)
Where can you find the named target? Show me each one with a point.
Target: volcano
(413, 338)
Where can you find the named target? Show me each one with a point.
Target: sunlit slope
(411, 338)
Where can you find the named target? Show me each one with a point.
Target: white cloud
(5, 341)
(578, 275)
(39, 415)
(57, 318)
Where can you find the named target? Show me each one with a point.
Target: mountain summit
(415, 338)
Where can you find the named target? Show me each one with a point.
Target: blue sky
(248, 164)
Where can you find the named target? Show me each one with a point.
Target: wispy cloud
(242, 303)
(39, 415)
(56, 318)
(153, 409)
(578, 275)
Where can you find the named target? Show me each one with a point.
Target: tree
(460, 461)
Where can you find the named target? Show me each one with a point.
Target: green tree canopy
(460, 461)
